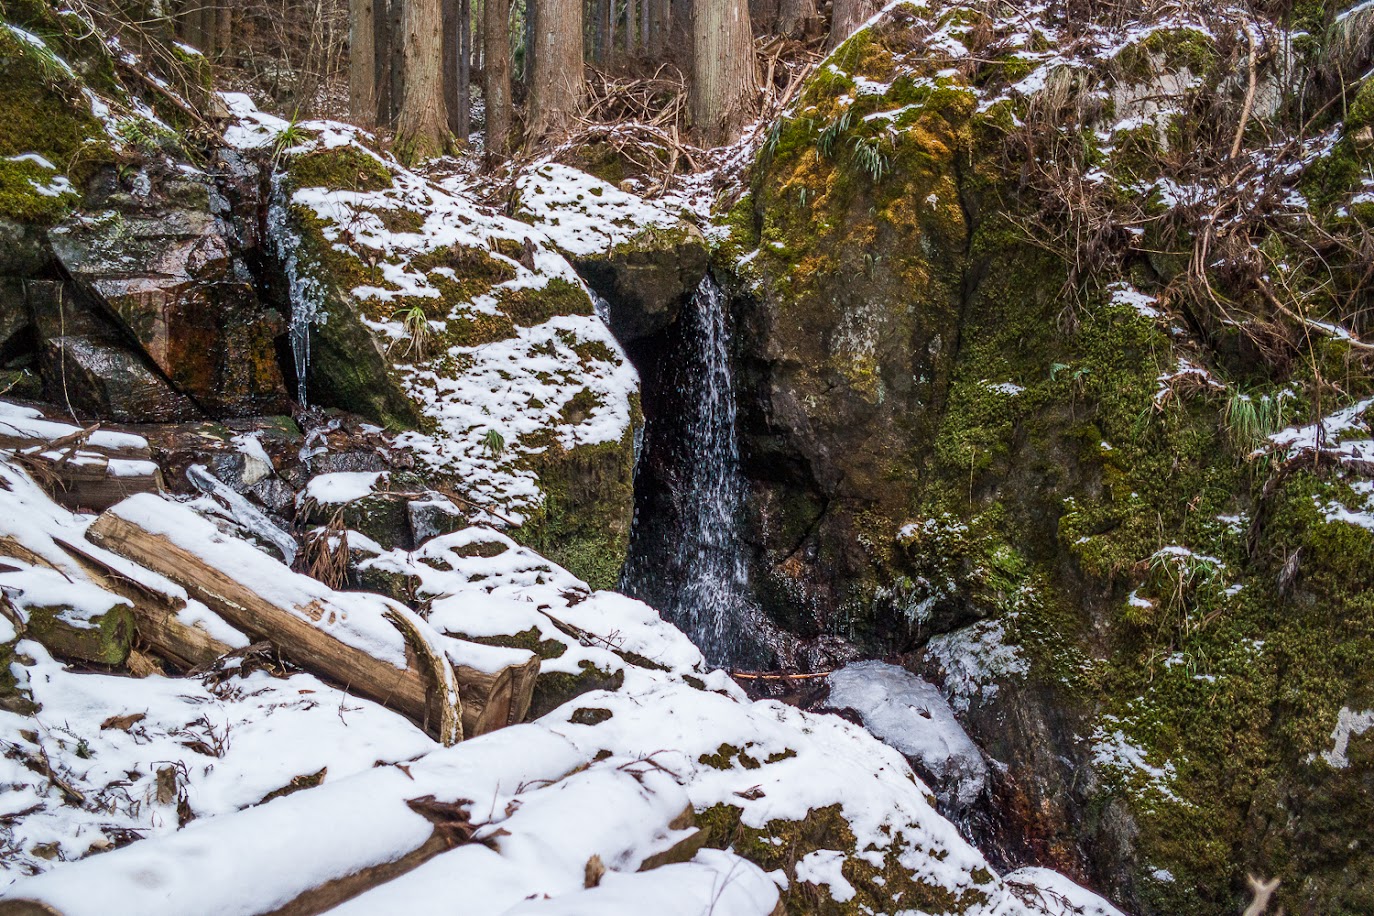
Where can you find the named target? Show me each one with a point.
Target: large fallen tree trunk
(157, 611)
(371, 645)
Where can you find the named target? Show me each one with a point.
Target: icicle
(304, 291)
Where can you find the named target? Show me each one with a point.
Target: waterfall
(303, 290)
(694, 570)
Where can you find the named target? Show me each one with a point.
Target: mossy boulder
(584, 521)
(430, 315)
(647, 279)
(961, 448)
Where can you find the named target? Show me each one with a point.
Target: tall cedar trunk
(600, 17)
(457, 54)
(362, 63)
(795, 17)
(847, 16)
(556, 83)
(631, 26)
(724, 73)
(660, 22)
(422, 123)
(452, 54)
(479, 40)
(464, 119)
(496, 76)
(224, 28)
(390, 61)
(527, 61)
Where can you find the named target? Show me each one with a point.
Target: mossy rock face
(647, 279)
(348, 365)
(781, 844)
(584, 522)
(50, 144)
(170, 270)
(943, 434)
(103, 640)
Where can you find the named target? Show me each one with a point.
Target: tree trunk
(795, 17)
(631, 27)
(390, 77)
(463, 120)
(556, 85)
(496, 75)
(422, 124)
(659, 23)
(452, 54)
(847, 16)
(724, 72)
(224, 27)
(362, 63)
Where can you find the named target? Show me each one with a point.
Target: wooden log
(82, 479)
(21, 433)
(349, 638)
(156, 613)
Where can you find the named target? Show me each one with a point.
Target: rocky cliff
(1050, 341)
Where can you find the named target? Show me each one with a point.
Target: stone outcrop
(1035, 486)
(163, 259)
(647, 279)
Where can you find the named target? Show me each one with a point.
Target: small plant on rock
(418, 331)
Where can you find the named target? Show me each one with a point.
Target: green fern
(870, 158)
(494, 443)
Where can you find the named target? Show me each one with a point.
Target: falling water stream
(695, 571)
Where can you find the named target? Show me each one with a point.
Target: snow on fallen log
(374, 646)
(37, 534)
(24, 427)
(87, 468)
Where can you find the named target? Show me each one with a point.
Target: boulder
(163, 260)
(640, 256)
(467, 334)
(646, 279)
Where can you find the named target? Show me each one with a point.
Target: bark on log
(156, 618)
(89, 480)
(307, 621)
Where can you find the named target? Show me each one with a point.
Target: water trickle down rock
(697, 574)
(302, 289)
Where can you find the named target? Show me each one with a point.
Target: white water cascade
(697, 575)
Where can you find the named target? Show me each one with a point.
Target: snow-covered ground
(184, 764)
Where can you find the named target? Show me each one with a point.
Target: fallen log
(157, 612)
(24, 429)
(83, 479)
(350, 638)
